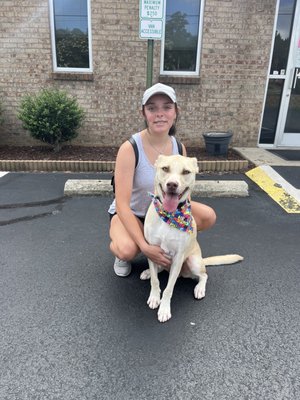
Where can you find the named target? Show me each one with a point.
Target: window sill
(187, 80)
(72, 76)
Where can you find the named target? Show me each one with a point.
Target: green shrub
(51, 116)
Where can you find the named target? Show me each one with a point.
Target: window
(283, 33)
(71, 35)
(271, 112)
(182, 37)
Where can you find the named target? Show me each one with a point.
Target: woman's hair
(172, 131)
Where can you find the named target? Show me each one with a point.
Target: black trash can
(216, 143)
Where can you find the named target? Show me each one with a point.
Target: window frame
(199, 46)
(53, 42)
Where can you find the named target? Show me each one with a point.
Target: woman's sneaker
(121, 267)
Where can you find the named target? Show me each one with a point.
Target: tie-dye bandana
(180, 219)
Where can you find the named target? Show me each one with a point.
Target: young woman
(133, 182)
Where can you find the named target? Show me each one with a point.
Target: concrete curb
(56, 166)
(203, 188)
(259, 156)
(106, 166)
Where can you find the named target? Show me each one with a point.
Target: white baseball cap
(159, 88)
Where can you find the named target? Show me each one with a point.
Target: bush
(51, 116)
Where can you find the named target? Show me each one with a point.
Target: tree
(180, 45)
(281, 51)
(72, 48)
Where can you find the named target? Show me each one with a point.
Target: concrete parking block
(87, 187)
(203, 188)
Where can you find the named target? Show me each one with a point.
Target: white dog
(170, 225)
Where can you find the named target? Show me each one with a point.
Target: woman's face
(160, 113)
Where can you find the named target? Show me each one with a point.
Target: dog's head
(174, 179)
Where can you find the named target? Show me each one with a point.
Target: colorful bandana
(180, 219)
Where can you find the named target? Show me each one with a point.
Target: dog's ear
(195, 164)
(158, 160)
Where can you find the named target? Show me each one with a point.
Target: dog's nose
(172, 186)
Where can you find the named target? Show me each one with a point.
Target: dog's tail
(220, 260)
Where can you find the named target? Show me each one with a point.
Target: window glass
(271, 111)
(293, 116)
(181, 35)
(282, 36)
(71, 33)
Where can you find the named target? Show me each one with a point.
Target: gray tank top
(143, 180)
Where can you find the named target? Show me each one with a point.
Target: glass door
(289, 123)
(281, 117)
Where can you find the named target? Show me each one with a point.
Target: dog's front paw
(145, 275)
(164, 313)
(199, 291)
(153, 301)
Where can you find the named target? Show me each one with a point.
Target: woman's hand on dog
(157, 255)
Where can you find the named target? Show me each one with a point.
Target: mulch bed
(82, 153)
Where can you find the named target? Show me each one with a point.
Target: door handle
(297, 76)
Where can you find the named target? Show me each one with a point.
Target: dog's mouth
(171, 199)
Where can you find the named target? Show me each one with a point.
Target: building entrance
(281, 118)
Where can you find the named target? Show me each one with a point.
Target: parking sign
(151, 19)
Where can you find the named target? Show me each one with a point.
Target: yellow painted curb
(274, 190)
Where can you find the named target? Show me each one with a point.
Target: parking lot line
(276, 189)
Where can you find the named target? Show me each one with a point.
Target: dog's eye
(166, 169)
(186, 172)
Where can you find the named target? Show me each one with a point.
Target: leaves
(51, 116)
(72, 48)
(180, 44)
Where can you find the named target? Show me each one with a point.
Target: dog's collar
(180, 219)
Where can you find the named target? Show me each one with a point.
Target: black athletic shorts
(142, 219)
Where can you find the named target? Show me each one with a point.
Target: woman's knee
(121, 244)
(125, 251)
(204, 215)
(211, 217)
(128, 253)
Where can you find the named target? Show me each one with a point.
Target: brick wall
(228, 95)
(236, 46)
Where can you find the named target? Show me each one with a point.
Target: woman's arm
(124, 173)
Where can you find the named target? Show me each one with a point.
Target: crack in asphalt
(26, 218)
(59, 201)
(32, 204)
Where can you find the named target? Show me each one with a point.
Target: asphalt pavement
(71, 329)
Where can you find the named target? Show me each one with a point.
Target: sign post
(151, 28)
(149, 74)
